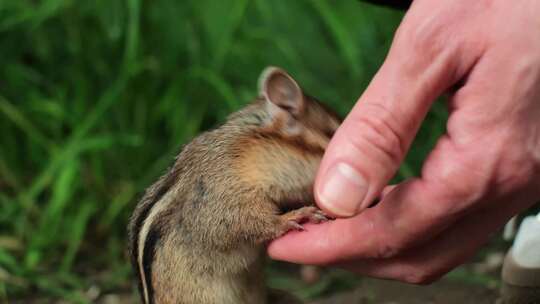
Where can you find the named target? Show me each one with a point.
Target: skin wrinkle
(424, 216)
(534, 150)
(379, 120)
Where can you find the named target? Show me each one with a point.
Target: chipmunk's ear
(279, 89)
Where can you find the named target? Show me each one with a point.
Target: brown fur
(198, 233)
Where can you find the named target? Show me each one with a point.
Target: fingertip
(287, 248)
(341, 190)
(303, 247)
(277, 248)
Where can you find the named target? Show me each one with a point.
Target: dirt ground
(388, 292)
(372, 291)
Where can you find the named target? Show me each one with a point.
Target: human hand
(484, 170)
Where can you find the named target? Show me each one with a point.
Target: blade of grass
(9, 176)
(341, 35)
(118, 203)
(217, 83)
(75, 236)
(53, 213)
(235, 16)
(32, 14)
(106, 101)
(19, 119)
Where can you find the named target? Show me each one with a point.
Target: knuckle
(423, 36)
(380, 134)
(459, 183)
(437, 39)
(388, 249)
(523, 177)
(517, 169)
(420, 276)
(387, 252)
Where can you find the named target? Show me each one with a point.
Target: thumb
(369, 146)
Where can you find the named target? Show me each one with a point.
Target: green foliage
(96, 97)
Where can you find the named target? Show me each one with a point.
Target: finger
(377, 232)
(424, 264)
(372, 141)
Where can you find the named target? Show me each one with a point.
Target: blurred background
(96, 98)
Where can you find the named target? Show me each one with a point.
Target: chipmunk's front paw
(293, 220)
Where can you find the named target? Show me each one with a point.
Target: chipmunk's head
(294, 115)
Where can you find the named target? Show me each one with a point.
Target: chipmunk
(198, 234)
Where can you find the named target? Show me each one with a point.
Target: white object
(526, 248)
(509, 232)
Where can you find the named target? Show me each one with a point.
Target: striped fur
(152, 196)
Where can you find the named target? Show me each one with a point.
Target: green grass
(96, 97)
